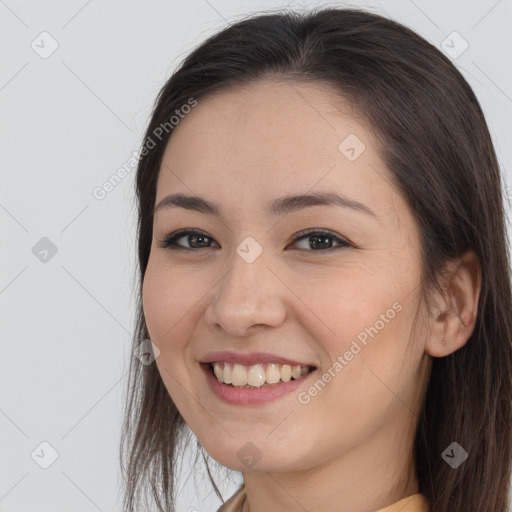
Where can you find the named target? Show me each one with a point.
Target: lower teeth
(256, 387)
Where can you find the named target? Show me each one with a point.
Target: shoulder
(414, 503)
(234, 504)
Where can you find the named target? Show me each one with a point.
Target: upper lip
(249, 359)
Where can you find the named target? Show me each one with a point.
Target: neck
(369, 477)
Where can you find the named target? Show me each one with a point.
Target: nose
(247, 299)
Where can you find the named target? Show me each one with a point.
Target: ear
(458, 306)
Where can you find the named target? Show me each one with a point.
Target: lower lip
(248, 396)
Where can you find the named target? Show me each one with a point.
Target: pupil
(319, 241)
(197, 238)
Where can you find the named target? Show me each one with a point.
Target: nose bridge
(248, 294)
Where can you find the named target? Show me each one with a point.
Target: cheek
(155, 305)
(165, 302)
(363, 323)
(168, 325)
(162, 313)
(376, 374)
(341, 304)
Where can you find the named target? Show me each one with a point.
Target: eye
(195, 237)
(198, 240)
(318, 239)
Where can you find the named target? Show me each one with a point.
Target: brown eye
(319, 240)
(196, 239)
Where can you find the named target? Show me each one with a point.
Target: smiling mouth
(256, 376)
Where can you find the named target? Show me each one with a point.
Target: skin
(348, 449)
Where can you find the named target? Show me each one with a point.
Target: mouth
(256, 376)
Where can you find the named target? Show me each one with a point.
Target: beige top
(414, 503)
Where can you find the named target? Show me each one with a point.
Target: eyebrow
(280, 206)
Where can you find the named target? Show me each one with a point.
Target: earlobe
(458, 307)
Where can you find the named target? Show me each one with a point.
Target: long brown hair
(434, 139)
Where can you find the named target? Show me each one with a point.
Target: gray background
(68, 122)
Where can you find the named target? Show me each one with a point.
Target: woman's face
(343, 302)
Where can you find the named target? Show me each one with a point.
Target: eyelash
(169, 241)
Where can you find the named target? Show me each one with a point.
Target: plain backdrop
(77, 84)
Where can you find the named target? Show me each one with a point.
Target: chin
(246, 456)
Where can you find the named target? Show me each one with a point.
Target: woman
(324, 274)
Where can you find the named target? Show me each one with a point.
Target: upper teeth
(257, 375)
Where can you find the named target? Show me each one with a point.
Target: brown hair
(434, 139)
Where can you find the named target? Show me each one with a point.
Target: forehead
(264, 122)
(268, 139)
